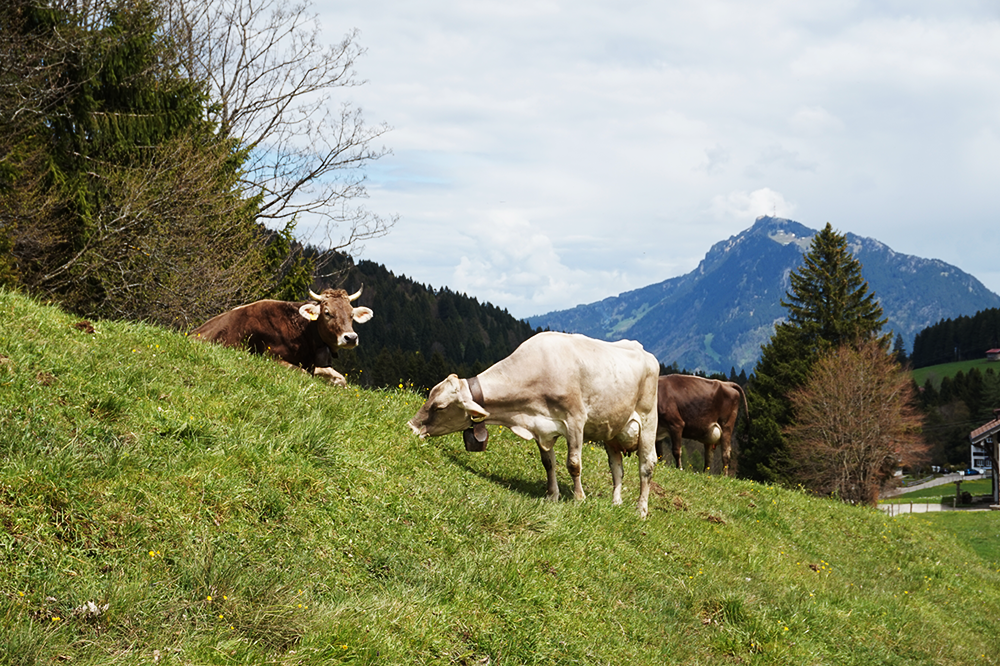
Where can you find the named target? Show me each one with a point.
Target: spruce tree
(899, 349)
(829, 305)
(125, 198)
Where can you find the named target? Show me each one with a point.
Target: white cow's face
(449, 408)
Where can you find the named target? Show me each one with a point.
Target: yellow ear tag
(309, 311)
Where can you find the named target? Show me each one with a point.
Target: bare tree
(27, 63)
(167, 245)
(274, 82)
(855, 424)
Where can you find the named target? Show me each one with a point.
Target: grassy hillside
(938, 372)
(165, 501)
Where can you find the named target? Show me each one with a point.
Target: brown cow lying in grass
(298, 334)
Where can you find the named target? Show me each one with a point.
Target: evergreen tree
(829, 306)
(899, 349)
(124, 200)
(829, 303)
(990, 397)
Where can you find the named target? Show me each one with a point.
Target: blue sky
(547, 154)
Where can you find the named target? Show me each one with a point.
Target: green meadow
(164, 501)
(977, 487)
(935, 373)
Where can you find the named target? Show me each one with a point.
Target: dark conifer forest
(959, 339)
(419, 334)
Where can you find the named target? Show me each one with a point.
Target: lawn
(979, 531)
(935, 493)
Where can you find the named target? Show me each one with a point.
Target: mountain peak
(718, 315)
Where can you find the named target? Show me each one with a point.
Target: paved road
(940, 481)
(914, 507)
(921, 507)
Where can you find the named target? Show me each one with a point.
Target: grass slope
(935, 373)
(165, 501)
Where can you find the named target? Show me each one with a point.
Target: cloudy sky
(551, 153)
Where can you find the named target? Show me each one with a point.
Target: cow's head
(449, 408)
(334, 314)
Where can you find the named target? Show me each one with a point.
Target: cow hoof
(330, 375)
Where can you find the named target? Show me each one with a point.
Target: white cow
(560, 384)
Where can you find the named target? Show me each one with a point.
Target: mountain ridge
(717, 316)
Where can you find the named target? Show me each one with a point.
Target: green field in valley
(936, 373)
(164, 501)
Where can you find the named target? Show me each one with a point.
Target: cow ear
(476, 413)
(310, 311)
(361, 315)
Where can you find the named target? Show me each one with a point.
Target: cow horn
(313, 295)
(354, 296)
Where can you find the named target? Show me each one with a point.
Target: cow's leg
(647, 463)
(709, 454)
(574, 462)
(675, 440)
(727, 452)
(330, 375)
(615, 463)
(549, 463)
(290, 365)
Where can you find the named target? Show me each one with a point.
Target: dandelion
(209, 597)
(56, 618)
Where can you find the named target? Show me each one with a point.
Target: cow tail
(746, 407)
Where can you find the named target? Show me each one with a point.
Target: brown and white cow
(704, 410)
(298, 334)
(560, 384)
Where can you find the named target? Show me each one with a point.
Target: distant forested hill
(419, 334)
(963, 338)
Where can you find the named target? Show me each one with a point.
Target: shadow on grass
(515, 483)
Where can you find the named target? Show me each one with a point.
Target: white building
(980, 458)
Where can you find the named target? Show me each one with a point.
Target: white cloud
(815, 120)
(516, 265)
(625, 138)
(751, 205)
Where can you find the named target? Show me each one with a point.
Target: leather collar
(476, 390)
(476, 437)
